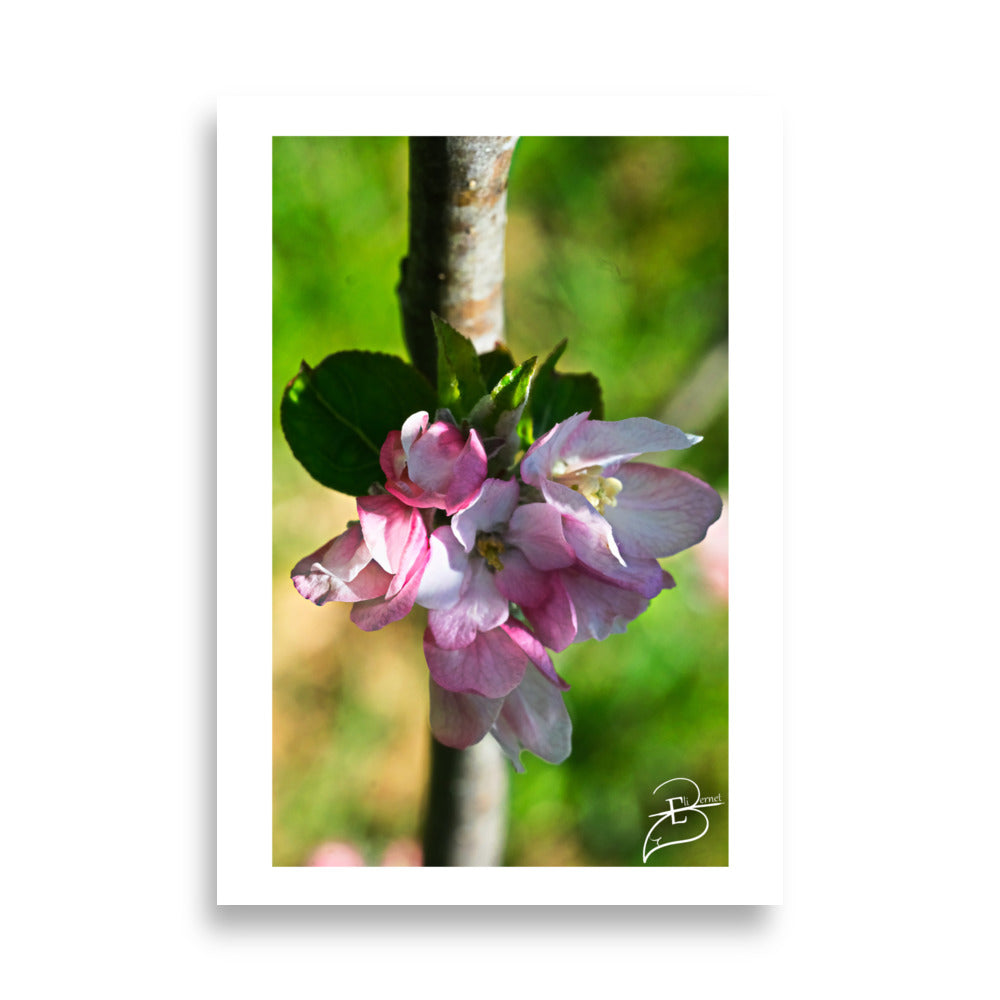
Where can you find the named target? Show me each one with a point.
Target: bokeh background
(619, 244)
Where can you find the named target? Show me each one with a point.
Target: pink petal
(342, 570)
(599, 557)
(593, 541)
(415, 552)
(459, 720)
(534, 650)
(553, 618)
(392, 457)
(489, 510)
(541, 457)
(318, 585)
(491, 665)
(412, 495)
(643, 576)
(601, 607)
(375, 614)
(537, 530)
(388, 526)
(479, 608)
(432, 456)
(433, 466)
(344, 556)
(569, 503)
(467, 475)
(661, 511)
(519, 581)
(534, 718)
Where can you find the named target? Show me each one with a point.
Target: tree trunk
(466, 814)
(455, 263)
(454, 267)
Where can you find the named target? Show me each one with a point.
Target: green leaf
(460, 379)
(512, 390)
(558, 395)
(495, 364)
(508, 397)
(337, 415)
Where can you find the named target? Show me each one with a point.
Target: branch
(466, 820)
(455, 262)
(454, 267)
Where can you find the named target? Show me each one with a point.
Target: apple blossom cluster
(511, 559)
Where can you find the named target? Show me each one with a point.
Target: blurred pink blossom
(402, 853)
(713, 557)
(336, 854)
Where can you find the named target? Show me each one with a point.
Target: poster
(657, 259)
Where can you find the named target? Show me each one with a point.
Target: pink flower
(492, 664)
(336, 854)
(619, 512)
(493, 553)
(496, 553)
(566, 553)
(434, 465)
(376, 563)
(602, 606)
(713, 558)
(530, 717)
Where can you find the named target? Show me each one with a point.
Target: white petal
(414, 426)
(607, 443)
(441, 583)
(490, 511)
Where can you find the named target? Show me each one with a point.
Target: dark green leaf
(460, 380)
(336, 416)
(548, 366)
(557, 395)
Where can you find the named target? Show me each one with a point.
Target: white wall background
(891, 213)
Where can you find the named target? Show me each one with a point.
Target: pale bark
(455, 268)
(466, 817)
(457, 222)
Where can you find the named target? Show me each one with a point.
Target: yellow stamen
(600, 491)
(490, 547)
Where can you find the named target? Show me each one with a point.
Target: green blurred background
(619, 244)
